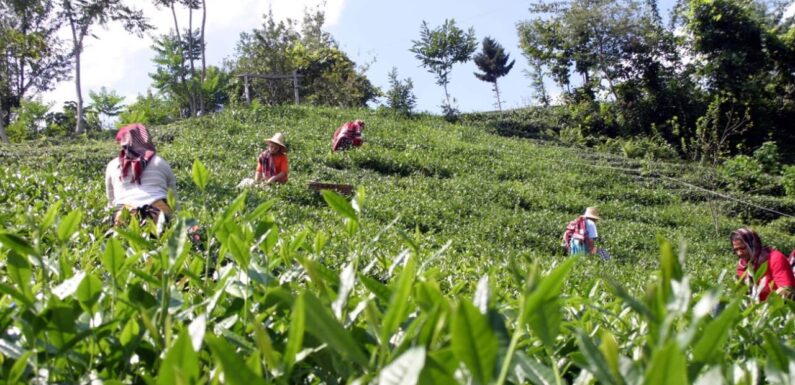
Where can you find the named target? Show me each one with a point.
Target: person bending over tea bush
(752, 255)
(138, 179)
(272, 165)
(347, 135)
(581, 234)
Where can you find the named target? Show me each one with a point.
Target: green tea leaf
(235, 370)
(114, 258)
(545, 321)
(597, 364)
(399, 301)
(19, 270)
(239, 251)
(49, 217)
(527, 368)
(18, 369)
(474, 342)
(69, 224)
(323, 326)
(339, 204)
(261, 210)
(88, 292)
(708, 344)
(405, 370)
(295, 336)
(667, 366)
(199, 174)
(181, 363)
(136, 240)
(17, 244)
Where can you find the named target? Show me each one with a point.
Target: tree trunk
(77, 41)
(192, 94)
(497, 92)
(447, 96)
(3, 135)
(204, 59)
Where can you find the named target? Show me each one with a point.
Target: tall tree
(32, 57)
(204, 49)
(493, 61)
(439, 49)
(81, 16)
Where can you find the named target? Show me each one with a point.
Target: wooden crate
(344, 189)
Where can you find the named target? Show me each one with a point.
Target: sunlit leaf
(200, 174)
(69, 224)
(234, 367)
(181, 363)
(474, 342)
(322, 325)
(405, 370)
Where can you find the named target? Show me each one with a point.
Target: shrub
(742, 173)
(769, 157)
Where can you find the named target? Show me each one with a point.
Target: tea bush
(444, 267)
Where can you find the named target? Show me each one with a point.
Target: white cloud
(122, 62)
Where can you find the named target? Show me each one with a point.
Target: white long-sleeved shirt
(156, 179)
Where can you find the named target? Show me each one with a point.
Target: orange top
(280, 164)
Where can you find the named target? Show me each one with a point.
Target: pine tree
(493, 61)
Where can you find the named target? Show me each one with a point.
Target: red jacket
(346, 135)
(778, 274)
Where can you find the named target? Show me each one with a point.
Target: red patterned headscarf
(752, 242)
(136, 151)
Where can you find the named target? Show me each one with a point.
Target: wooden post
(245, 82)
(295, 86)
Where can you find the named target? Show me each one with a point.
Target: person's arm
(280, 177)
(782, 274)
(259, 174)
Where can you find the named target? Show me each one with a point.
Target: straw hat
(278, 138)
(592, 213)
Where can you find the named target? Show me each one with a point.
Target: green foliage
(328, 76)
(29, 120)
(742, 173)
(441, 48)
(769, 157)
(493, 62)
(788, 180)
(438, 275)
(400, 97)
(150, 110)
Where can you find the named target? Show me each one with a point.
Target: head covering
(277, 138)
(359, 123)
(751, 240)
(592, 213)
(136, 151)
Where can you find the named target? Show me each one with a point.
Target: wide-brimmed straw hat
(592, 213)
(278, 138)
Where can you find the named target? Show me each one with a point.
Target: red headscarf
(752, 242)
(136, 150)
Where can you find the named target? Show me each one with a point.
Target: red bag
(574, 230)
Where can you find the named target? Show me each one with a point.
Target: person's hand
(786, 292)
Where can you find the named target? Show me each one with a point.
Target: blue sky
(378, 33)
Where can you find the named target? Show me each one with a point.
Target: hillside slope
(450, 270)
(495, 199)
